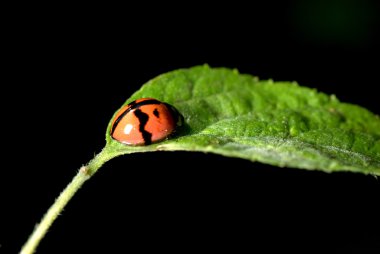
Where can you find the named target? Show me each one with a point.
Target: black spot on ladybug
(142, 103)
(132, 103)
(143, 119)
(156, 113)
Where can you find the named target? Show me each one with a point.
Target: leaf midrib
(293, 140)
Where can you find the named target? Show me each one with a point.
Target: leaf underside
(279, 123)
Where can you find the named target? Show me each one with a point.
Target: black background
(71, 67)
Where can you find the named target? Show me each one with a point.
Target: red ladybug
(145, 121)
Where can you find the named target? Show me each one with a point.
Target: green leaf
(279, 123)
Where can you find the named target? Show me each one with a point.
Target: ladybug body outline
(145, 121)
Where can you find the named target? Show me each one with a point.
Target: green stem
(51, 215)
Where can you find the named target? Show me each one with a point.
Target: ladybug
(145, 121)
